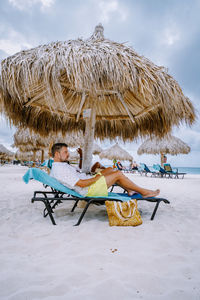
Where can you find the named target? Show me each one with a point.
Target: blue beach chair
(160, 171)
(60, 193)
(145, 170)
(169, 170)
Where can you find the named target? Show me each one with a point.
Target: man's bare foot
(150, 193)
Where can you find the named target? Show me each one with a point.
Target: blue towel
(47, 163)
(39, 175)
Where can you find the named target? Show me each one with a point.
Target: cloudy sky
(167, 32)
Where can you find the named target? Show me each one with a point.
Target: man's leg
(119, 178)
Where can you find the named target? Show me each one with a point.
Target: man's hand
(80, 152)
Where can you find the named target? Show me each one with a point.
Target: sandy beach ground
(158, 260)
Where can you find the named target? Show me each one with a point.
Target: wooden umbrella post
(49, 152)
(34, 156)
(42, 155)
(90, 117)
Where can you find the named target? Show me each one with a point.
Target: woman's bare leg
(119, 178)
(108, 171)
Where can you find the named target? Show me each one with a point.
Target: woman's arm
(87, 182)
(80, 152)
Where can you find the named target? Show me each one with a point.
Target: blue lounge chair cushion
(146, 168)
(39, 175)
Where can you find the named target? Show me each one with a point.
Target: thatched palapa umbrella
(115, 152)
(96, 149)
(96, 85)
(26, 140)
(167, 145)
(3, 150)
(25, 154)
(5, 153)
(76, 139)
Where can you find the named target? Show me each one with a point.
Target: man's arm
(80, 152)
(87, 182)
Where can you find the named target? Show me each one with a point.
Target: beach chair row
(158, 171)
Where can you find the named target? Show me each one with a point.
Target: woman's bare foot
(131, 193)
(150, 193)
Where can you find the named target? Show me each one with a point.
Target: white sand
(158, 260)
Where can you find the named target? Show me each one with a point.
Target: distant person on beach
(119, 166)
(134, 166)
(88, 185)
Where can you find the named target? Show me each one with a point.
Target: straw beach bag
(123, 213)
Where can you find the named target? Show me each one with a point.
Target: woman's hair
(57, 147)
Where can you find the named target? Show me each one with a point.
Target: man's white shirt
(69, 176)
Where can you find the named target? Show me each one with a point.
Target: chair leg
(83, 213)
(45, 214)
(48, 207)
(155, 209)
(112, 188)
(75, 205)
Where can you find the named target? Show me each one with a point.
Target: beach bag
(123, 213)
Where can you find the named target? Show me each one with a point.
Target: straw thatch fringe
(43, 88)
(167, 145)
(5, 153)
(115, 152)
(26, 140)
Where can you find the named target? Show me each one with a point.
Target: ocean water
(187, 170)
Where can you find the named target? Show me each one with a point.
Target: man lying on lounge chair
(88, 185)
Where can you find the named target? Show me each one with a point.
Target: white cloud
(14, 42)
(27, 4)
(171, 35)
(189, 136)
(11, 47)
(108, 8)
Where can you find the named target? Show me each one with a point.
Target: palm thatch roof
(3, 149)
(74, 156)
(28, 147)
(24, 138)
(47, 88)
(25, 155)
(4, 152)
(115, 152)
(167, 145)
(96, 149)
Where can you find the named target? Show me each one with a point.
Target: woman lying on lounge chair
(88, 185)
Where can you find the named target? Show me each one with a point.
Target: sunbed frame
(53, 198)
(145, 170)
(60, 193)
(164, 173)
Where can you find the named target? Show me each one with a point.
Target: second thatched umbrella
(167, 145)
(5, 153)
(115, 153)
(96, 85)
(26, 140)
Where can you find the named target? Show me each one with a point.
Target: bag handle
(116, 203)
